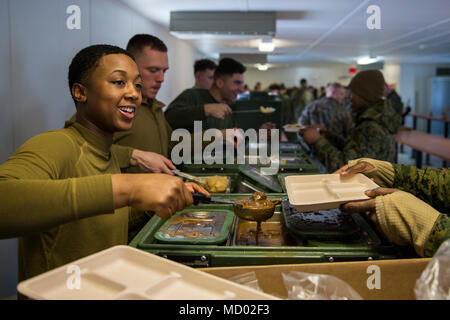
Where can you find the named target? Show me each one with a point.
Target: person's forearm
(430, 185)
(404, 219)
(121, 189)
(37, 205)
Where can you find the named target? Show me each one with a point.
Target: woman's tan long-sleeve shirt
(56, 196)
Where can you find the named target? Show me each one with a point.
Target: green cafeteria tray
(195, 226)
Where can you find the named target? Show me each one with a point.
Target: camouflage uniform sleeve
(305, 117)
(439, 234)
(429, 185)
(396, 102)
(347, 123)
(366, 141)
(336, 140)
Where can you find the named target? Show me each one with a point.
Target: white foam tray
(326, 191)
(126, 273)
(293, 127)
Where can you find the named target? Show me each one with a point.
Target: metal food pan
(233, 180)
(253, 173)
(237, 183)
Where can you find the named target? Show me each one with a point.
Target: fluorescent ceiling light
(266, 45)
(367, 60)
(262, 67)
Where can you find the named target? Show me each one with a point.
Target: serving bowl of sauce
(256, 208)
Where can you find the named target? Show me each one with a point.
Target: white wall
(35, 51)
(8, 248)
(317, 74)
(415, 88)
(416, 84)
(6, 123)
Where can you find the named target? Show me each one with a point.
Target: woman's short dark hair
(88, 59)
(228, 67)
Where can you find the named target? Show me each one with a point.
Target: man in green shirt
(62, 192)
(212, 106)
(204, 73)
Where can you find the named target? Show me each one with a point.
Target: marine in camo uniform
(375, 126)
(300, 98)
(395, 99)
(329, 112)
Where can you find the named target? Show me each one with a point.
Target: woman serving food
(62, 192)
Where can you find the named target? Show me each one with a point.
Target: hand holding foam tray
(326, 191)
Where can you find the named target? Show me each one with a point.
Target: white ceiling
(326, 30)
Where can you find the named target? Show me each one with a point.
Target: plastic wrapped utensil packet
(309, 286)
(247, 279)
(434, 283)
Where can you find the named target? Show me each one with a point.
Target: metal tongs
(189, 177)
(203, 198)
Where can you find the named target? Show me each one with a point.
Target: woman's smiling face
(112, 95)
